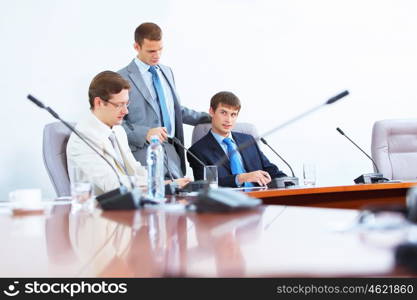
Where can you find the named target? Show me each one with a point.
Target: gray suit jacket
(144, 114)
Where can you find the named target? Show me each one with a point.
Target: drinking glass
(309, 174)
(81, 188)
(210, 175)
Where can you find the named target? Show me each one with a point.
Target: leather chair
(394, 148)
(202, 129)
(54, 150)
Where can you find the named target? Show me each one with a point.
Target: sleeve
(198, 170)
(135, 133)
(192, 117)
(228, 181)
(267, 166)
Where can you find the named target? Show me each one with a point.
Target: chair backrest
(54, 150)
(202, 129)
(394, 148)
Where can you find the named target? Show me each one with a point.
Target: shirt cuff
(237, 182)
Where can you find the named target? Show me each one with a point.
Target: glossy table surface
(347, 196)
(168, 241)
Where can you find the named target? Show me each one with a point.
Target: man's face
(223, 119)
(149, 52)
(111, 112)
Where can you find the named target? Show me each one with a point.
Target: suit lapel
(217, 151)
(177, 106)
(140, 85)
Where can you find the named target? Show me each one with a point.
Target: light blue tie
(235, 162)
(161, 98)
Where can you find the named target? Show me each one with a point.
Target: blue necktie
(166, 121)
(235, 162)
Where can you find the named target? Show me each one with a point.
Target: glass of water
(309, 174)
(210, 175)
(81, 188)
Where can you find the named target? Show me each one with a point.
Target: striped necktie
(118, 158)
(235, 161)
(161, 98)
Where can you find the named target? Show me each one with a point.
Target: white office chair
(54, 150)
(394, 148)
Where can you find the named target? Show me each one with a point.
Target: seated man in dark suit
(248, 167)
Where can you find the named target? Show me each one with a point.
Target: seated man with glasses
(109, 100)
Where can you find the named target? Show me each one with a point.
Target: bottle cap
(154, 139)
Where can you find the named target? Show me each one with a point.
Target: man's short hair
(225, 98)
(106, 84)
(149, 31)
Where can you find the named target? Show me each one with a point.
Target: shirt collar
(143, 67)
(101, 127)
(220, 138)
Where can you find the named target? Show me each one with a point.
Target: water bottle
(155, 162)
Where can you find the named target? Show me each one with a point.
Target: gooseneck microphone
(281, 181)
(269, 146)
(119, 198)
(296, 118)
(342, 133)
(178, 142)
(370, 177)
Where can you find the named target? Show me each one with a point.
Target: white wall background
(279, 57)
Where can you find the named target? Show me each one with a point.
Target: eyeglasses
(118, 106)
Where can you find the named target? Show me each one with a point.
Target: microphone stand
(369, 177)
(281, 182)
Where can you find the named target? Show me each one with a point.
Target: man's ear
(211, 112)
(97, 102)
(136, 46)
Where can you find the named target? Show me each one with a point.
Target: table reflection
(149, 242)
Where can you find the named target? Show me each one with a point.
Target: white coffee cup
(26, 199)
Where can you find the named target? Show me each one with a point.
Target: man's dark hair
(225, 98)
(105, 84)
(149, 31)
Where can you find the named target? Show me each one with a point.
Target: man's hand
(182, 181)
(160, 132)
(260, 177)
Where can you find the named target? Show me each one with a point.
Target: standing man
(155, 105)
(247, 167)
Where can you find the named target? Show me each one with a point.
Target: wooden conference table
(349, 196)
(269, 241)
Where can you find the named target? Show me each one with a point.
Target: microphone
(192, 186)
(370, 177)
(281, 182)
(119, 198)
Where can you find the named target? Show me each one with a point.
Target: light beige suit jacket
(93, 168)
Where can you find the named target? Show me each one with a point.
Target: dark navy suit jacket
(208, 150)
